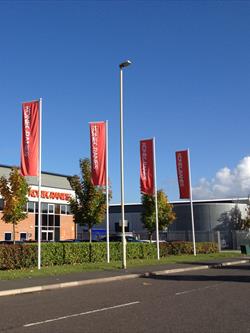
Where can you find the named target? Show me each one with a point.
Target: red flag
(98, 153)
(30, 138)
(147, 166)
(183, 173)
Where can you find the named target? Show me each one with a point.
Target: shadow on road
(245, 268)
(199, 263)
(218, 278)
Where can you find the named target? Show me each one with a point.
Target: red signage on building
(147, 166)
(30, 138)
(183, 173)
(98, 153)
(50, 195)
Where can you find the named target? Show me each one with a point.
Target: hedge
(25, 255)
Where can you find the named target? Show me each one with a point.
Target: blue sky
(188, 86)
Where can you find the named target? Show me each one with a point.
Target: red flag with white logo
(147, 166)
(30, 138)
(98, 153)
(183, 173)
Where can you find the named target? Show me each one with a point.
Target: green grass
(67, 269)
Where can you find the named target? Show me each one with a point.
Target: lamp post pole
(124, 263)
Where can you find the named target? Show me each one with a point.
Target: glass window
(57, 220)
(51, 220)
(7, 236)
(44, 208)
(57, 209)
(63, 209)
(1, 204)
(68, 210)
(50, 236)
(44, 220)
(31, 207)
(57, 234)
(51, 209)
(44, 236)
(23, 236)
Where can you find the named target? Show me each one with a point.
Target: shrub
(52, 254)
(76, 253)
(25, 255)
(175, 248)
(17, 256)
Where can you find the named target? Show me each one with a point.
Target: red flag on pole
(147, 166)
(30, 138)
(98, 153)
(183, 173)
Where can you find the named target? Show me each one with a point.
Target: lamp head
(125, 64)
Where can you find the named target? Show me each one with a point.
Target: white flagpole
(39, 183)
(107, 195)
(156, 204)
(191, 203)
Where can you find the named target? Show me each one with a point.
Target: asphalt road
(215, 300)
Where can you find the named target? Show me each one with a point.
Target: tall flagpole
(156, 204)
(191, 203)
(39, 183)
(107, 195)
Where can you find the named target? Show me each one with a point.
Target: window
(44, 208)
(57, 220)
(51, 220)
(57, 234)
(57, 209)
(51, 209)
(44, 220)
(31, 207)
(23, 236)
(63, 209)
(68, 210)
(7, 236)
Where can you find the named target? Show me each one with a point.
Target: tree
(165, 212)
(247, 218)
(14, 192)
(89, 205)
(237, 221)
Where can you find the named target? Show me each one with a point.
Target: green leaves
(14, 192)
(165, 212)
(89, 205)
(236, 219)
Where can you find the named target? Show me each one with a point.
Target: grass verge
(68, 269)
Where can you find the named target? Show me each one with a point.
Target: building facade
(56, 219)
(57, 223)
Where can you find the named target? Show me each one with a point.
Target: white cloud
(226, 183)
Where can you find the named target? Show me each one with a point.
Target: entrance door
(47, 235)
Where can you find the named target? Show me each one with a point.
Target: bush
(76, 253)
(175, 248)
(17, 256)
(52, 254)
(25, 255)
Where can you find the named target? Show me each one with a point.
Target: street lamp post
(122, 65)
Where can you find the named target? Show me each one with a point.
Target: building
(57, 222)
(210, 217)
